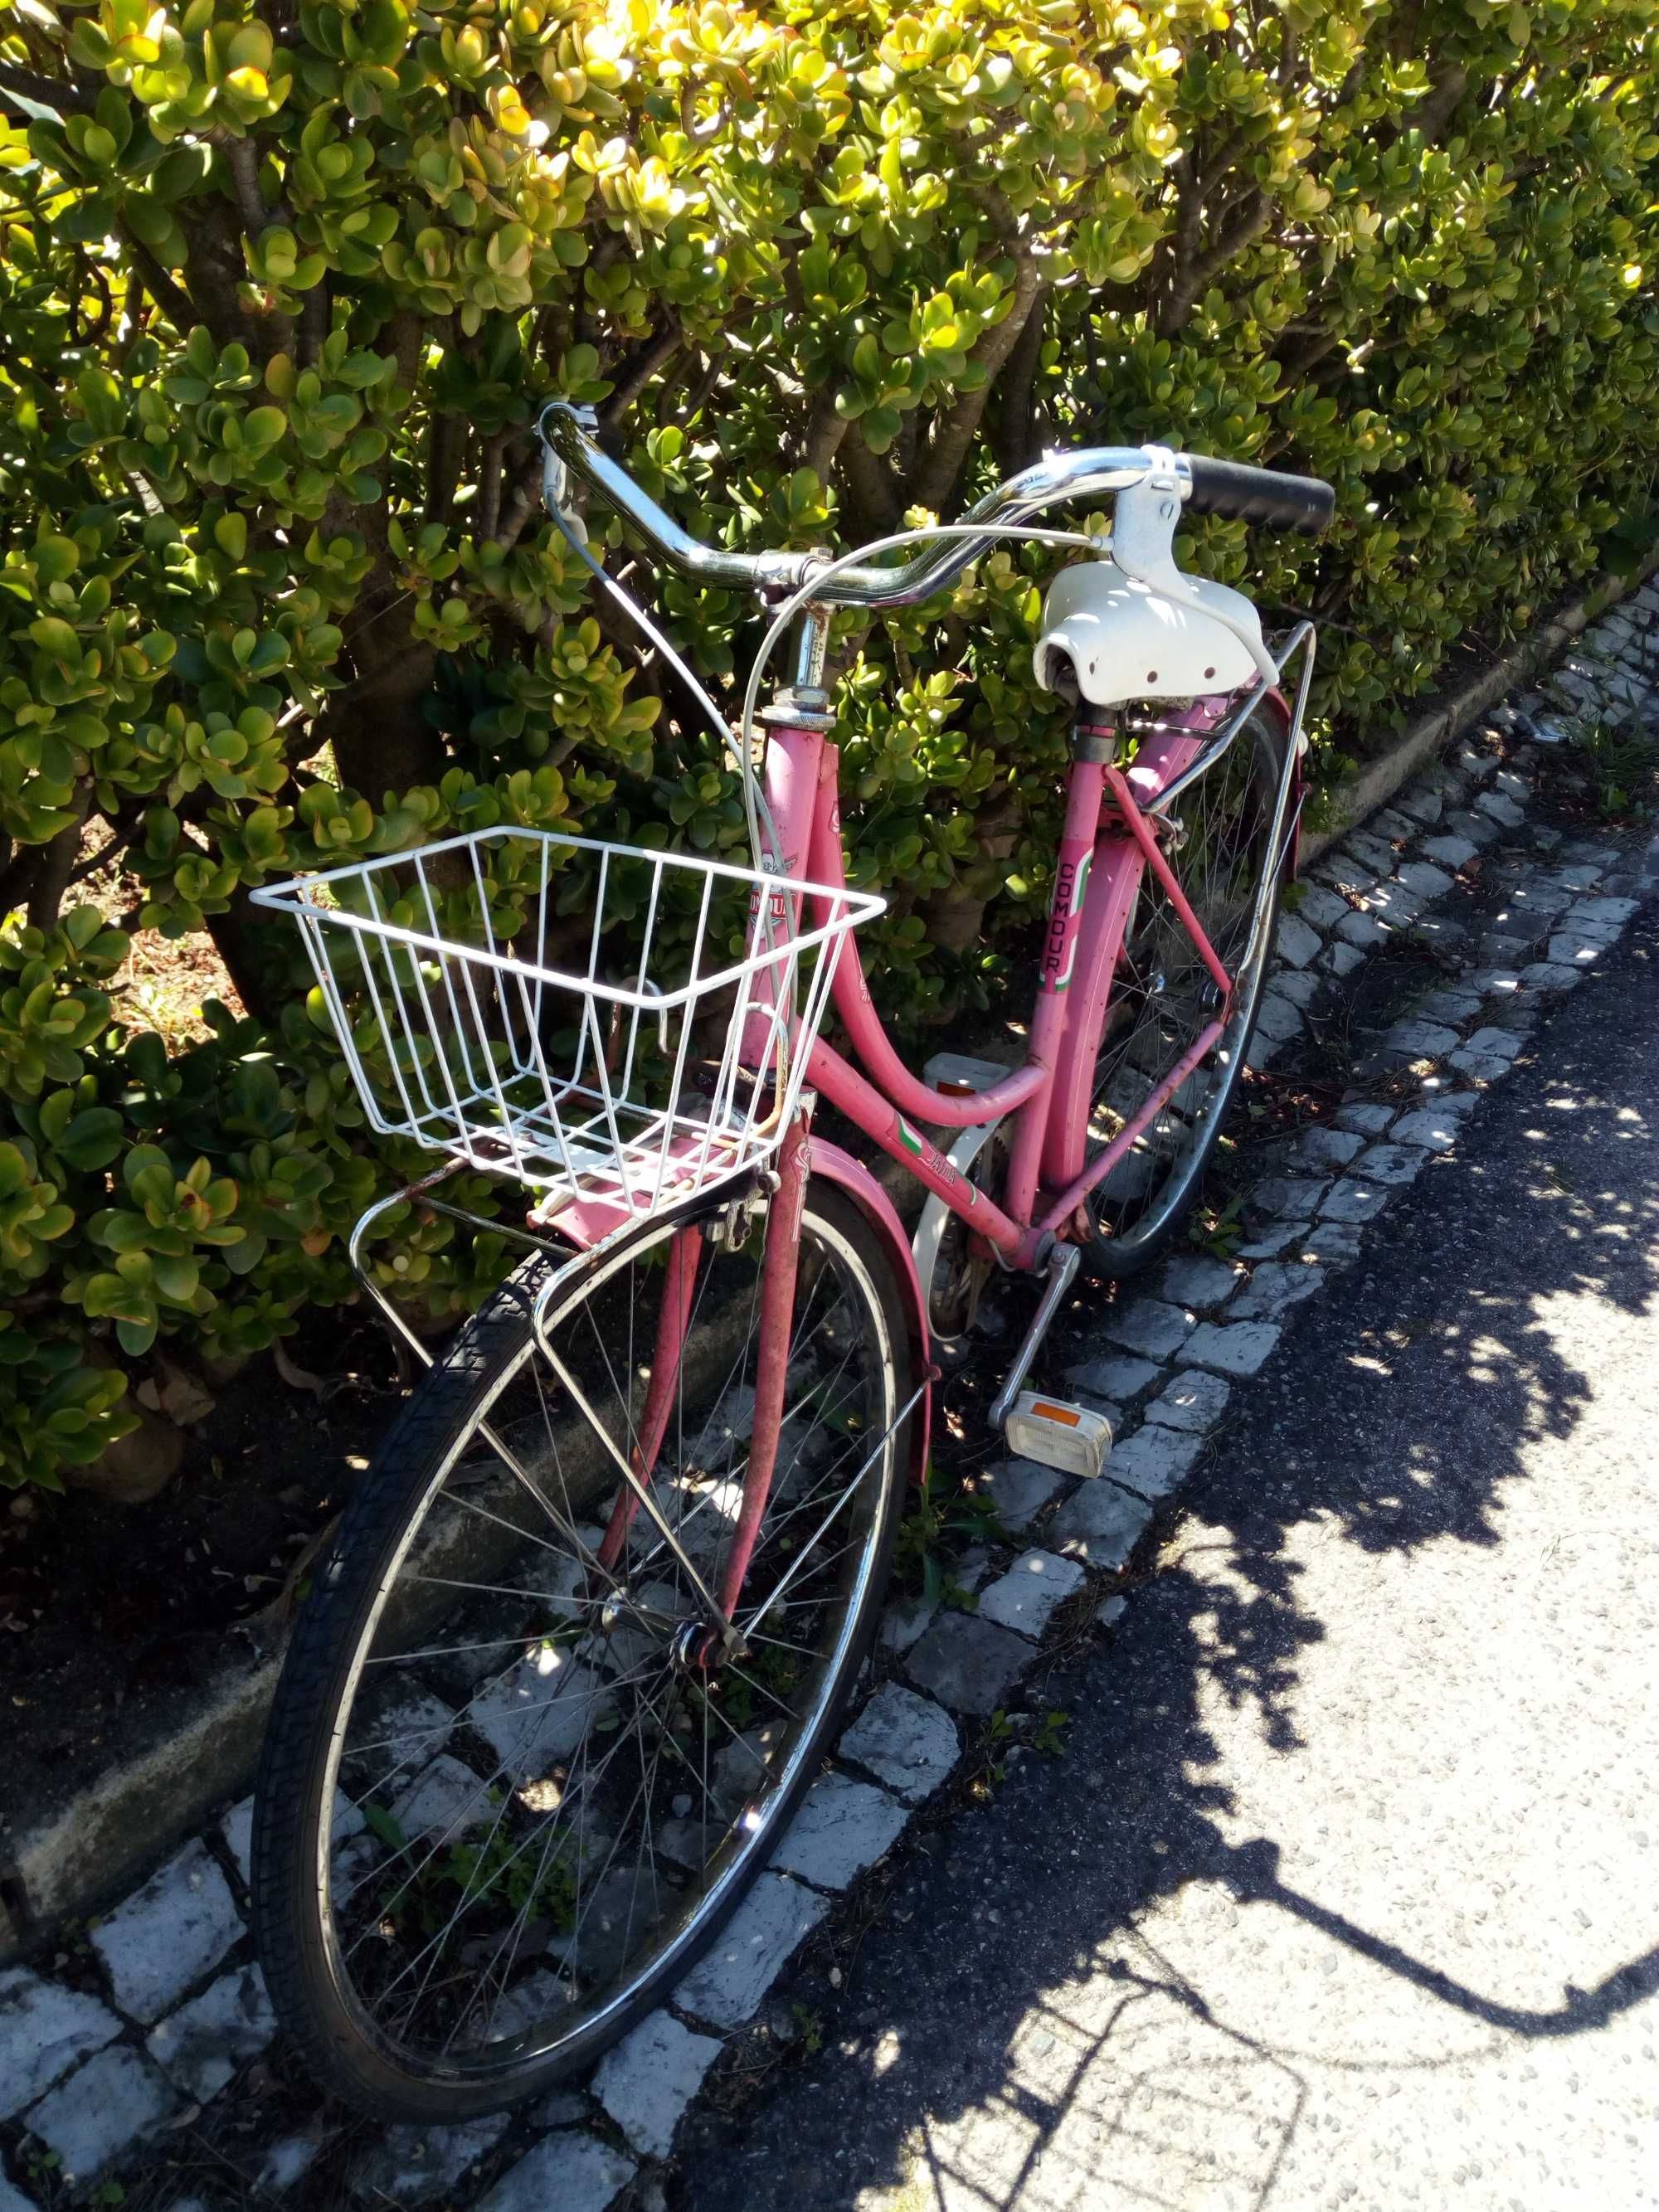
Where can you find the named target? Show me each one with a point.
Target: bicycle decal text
(1059, 954)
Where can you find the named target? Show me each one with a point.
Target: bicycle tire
(301, 1947)
(1145, 1201)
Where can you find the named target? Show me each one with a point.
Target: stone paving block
(568, 2172)
(1499, 1044)
(1424, 880)
(1295, 941)
(1430, 1127)
(45, 2029)
(905, 1622)
(1500, 809)
(1301, 986)
(1200, 1282)
(1389, 821)
(1420, 802)
(1327, 1148)
(168, 1934)
(1361, 930)
(1574, 949)
(1421, 1040)
(1236, 1349)
(1111, 1610)
(842, 1826)
(1275, 1288)
(1020, 1489)
(412, 2166)
(1451, 1007)
(1122, 1377)
(773, 1921)
(1261, 1052)
(1293, 1197)
(1026, 1596)
(1477, 830)
(1366, 1120)
(1278, 1237)
(907, 1741)
(1341, 959)
(1376, 854)
(1155, 1458)
(285, 2162)
(1354, 1200)
(447, 1799)
(1101, 1524)
(1613, 912)
(1392, 1163)
(1194, 1401)
(649, 2079)
(1495, 982)
(1320, 908)
(1331, 1243)
(206, 2041)
(1148, 1327)
(1550, 975)
(110, 2107)
(1278, 1019)
(1448, 850)
(967, 1662)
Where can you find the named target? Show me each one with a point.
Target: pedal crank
(1062, 1267)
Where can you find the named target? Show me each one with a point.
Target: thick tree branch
(634, 374)
(872, 493)
(58, 865)
(1188, 282)
(954, 427)
(1015, 437)
(825, 429)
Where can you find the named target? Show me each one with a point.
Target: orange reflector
(1044, 1412)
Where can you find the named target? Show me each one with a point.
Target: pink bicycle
(586, 1629)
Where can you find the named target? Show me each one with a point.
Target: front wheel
(507, 1794)
(1164, 997)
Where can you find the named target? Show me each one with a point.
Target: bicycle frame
(1109, 840)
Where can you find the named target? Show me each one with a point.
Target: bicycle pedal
(1055, 1434)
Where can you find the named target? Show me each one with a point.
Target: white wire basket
(637, 1050)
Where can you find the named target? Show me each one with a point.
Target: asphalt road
(1345, 1892)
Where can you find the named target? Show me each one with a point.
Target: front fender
(851, 1175)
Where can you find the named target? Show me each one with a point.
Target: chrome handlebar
(570, 450)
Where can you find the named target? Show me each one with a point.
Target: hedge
(284, 286)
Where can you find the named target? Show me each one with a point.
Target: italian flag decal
(909, 1138)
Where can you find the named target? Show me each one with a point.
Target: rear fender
(851, 1175)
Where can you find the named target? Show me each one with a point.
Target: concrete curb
(1451, 713)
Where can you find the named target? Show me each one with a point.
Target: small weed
(1218, 1229)
(108, 2195)
(810, 2024)
(1049, 1736)
(1623, 764)
(944, 1522)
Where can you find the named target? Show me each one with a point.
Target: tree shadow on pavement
(1407, 1413)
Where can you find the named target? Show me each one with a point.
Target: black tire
(311, 1989)
(1146, 1198)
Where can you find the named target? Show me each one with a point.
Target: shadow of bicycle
(1085, 1994)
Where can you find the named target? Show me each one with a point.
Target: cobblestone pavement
(138, 2057)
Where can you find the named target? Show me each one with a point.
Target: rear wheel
(507, 1795)
(1163, 997)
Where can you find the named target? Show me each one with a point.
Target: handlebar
(572, 449)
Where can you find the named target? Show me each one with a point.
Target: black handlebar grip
(1284, 502)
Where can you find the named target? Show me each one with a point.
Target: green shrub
(283, 286)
